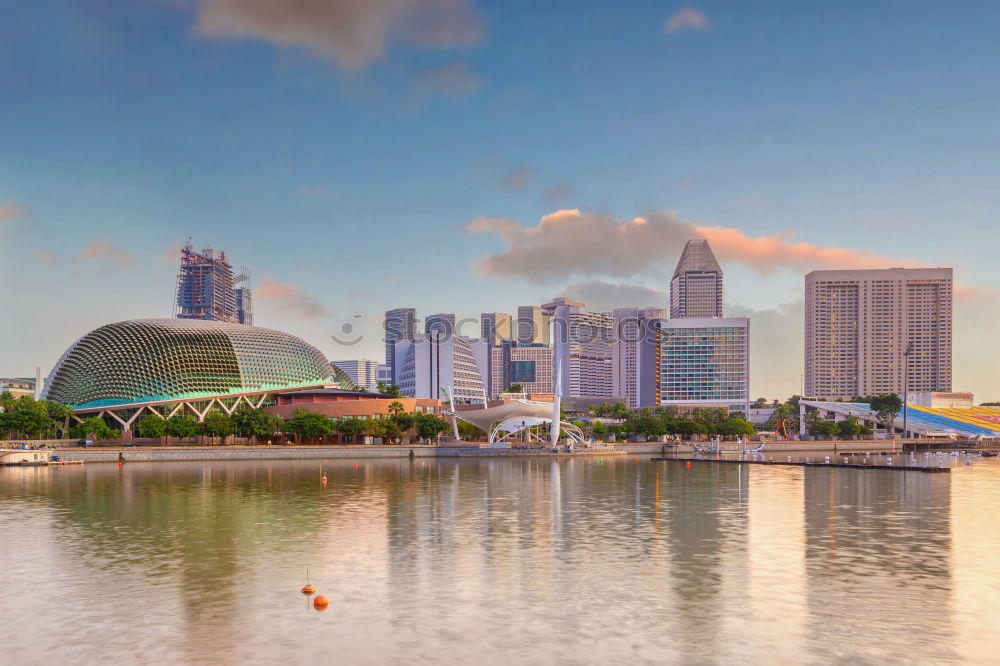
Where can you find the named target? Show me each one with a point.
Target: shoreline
(312, 452)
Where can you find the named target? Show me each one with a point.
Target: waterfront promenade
(314, 452)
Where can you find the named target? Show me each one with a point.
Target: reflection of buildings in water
(975, 494)
(878, 564)
(706, 519)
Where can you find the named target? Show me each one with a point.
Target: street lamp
(906, 381)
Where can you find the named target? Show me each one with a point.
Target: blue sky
(341, 153)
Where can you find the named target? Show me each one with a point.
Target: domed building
(147, 361)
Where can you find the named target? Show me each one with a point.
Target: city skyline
(456, 156)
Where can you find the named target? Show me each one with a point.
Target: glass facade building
(705, 362)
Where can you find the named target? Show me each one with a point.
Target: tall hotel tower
(859, 324)
(696, 287)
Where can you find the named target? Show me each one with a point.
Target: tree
(514, 388)
(26, 417)
(216, 424)
(91, 426)
(391, 429)
(886, 407)
(390, 390)
(308, 424)
(371, 427)
(349, 428)
(759, 403)
(849, 428)
(181, 425)
(153, 425)
(59, 413)
(430, 426)
(396, 408)
(255, 423)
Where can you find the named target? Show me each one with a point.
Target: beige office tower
(494, 327)
(860, 322)
(532, 326)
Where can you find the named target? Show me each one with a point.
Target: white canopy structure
(515, 416)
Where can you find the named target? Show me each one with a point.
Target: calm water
(499, 562)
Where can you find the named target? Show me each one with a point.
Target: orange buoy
(355, 465)
(308, 589)
(323, 479)
(636, 459)
(687, 464)
(320, 602)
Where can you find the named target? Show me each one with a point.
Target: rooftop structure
(207, 289)
(696, 286)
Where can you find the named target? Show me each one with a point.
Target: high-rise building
(696, 287)
(527, 365)
(432, 364)
(635, 358)
(399, 324)
(495, 327)
(443, 322)
(705, 362)
(532, 325)
(207, 288)
(362, 372)
(859, 324)
(582, 346)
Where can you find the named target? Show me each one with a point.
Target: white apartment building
(583, 344)
(635, 355)
(434, 363)
(859, 324)
(362, 372)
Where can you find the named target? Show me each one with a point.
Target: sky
(471, 156)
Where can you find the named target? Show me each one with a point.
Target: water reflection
(498, 561)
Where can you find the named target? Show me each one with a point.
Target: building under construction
(207, 288)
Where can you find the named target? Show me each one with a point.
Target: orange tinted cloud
(10, 210)
(570, 243)
(687, 18)
(354, 33)
(99, 250)
(289, 299)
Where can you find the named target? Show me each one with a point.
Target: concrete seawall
(188, 453)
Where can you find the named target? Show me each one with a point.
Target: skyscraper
(399, 324)
(696, 287)
(495, 327)
(532, 325)
(207, 288)
(432, 364)
(859, 323)
(527, 365)
(441, 322)
(582, 346)
(635, 357)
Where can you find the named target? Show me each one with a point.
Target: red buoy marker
(320, 602)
